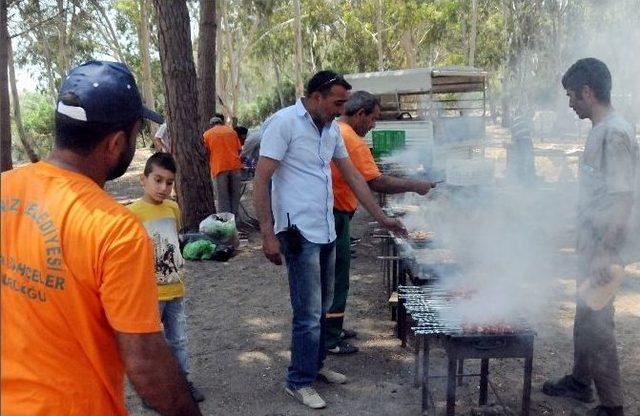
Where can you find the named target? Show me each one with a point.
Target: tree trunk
(62, 39)
(408, 43)
(298, 29)
(5, 112)
(193, 181)
(145, 58)
(49, 55)
(17, 116)
(474, 32)
(207, 62)
(276, 71)
(379, 36)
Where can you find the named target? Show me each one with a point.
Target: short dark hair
(361, 100)
(590, 72)
(83, 136)
(323, 81)
(241, 130)
(161, 160)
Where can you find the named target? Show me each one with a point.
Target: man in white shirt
(298, 144)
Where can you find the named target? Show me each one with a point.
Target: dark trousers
(335, 316)
(595, 354)
(595, 357)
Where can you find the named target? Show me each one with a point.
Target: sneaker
(308, 396)
(600, 411)
(196, 394)
(342, 348)
(348, 333)
(330, 376)
(567, 386)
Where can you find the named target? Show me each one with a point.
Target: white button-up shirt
(301, 186)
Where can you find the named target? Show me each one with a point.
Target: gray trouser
(595, 355)
(227, 188)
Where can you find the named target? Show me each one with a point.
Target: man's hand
(395, 226)
(155, 374)
(271, 248)
(423, 187)
(600, 268)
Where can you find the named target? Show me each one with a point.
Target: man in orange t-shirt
(360, 115)
(78, 294)
(223, 144)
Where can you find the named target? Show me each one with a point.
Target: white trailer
(441, 110)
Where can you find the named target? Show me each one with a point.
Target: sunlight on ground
(262, 322)
(391, 343)
(254, 357)
(272, 336)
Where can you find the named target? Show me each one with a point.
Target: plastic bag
(221, 226)
(189, 237)
(199, 250)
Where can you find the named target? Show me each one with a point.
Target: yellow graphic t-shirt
(162, 222)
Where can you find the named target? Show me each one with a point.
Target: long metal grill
(427, 306)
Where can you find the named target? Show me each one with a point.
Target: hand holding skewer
(423, 187)
(395, 226)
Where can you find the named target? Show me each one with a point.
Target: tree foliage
(524, 44)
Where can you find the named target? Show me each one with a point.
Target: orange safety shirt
(343, 198)
(76, 266)
(224, 148)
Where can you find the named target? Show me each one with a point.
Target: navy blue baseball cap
(103, 92)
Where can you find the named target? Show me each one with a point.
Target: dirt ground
(239, 326)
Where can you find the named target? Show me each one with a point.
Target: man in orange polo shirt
(223, 144)
(360, 115)
(78, 295)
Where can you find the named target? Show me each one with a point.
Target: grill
(426, 309)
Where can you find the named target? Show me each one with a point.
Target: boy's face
(158, 185)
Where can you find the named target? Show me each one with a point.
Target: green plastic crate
(386, 141)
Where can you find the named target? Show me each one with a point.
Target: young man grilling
(606, 186)
(298, 144)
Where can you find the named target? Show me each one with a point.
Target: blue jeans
(174, 320)
(311, 283)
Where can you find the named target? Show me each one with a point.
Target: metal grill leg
(460, 371)
(425, 376)
(417, 378)
(484, 380)
(526, 389)
(402, 323)
(451, 386)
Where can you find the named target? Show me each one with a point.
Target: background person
(223, 145)
(162, 140)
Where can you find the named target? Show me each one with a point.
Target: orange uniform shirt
(224, 148)
(360, 155)
(76, 266)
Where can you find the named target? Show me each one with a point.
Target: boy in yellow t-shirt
(161, 218)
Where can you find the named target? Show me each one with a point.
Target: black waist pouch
(293, 237)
